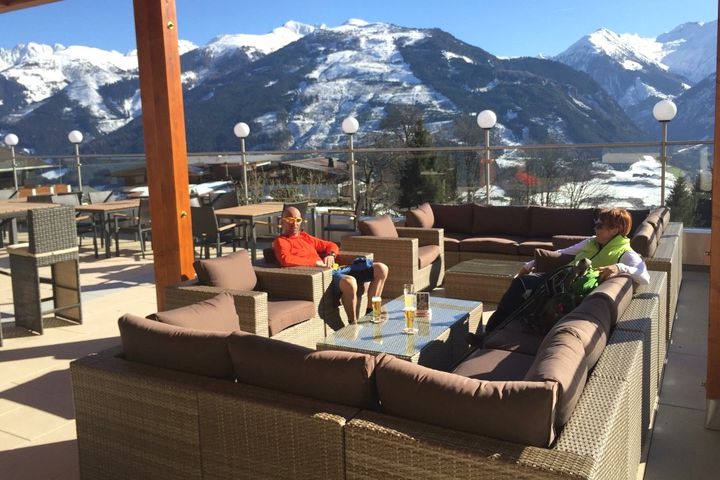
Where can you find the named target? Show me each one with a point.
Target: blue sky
(502, 27)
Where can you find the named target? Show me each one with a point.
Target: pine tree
(681, 202)
(423, 176)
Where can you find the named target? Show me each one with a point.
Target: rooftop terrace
(37, 427)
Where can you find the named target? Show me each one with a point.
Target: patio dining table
(103, 212)
(251, 213)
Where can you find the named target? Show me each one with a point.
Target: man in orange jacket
(295, 248)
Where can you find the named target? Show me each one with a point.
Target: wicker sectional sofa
(261, 408)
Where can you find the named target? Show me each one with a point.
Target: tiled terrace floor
(37, 427)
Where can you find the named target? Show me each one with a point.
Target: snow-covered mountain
(295, 84)
(639, 71)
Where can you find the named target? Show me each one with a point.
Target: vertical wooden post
(165, 147)
(712, 383)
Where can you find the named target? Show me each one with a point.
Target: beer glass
(409, 294)
(376, 309)
(410, 320)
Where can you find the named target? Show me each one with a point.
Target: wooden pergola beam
(10, 5)
(165, 145)
(712, 382)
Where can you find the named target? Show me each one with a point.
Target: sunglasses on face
(292, 220)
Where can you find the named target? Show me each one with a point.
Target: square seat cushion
(451, 243)
(501, 365)
(283, 313)
(427, 255)
(528, 246)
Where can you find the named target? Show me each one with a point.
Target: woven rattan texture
(51, 229)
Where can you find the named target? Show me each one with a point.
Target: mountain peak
(355, 22)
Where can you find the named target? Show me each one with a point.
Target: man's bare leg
(348, 294)
(380, 273)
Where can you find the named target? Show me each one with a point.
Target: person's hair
(616, 218)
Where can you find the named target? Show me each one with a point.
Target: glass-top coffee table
(439, 342)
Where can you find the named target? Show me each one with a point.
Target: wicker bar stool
(52, 243)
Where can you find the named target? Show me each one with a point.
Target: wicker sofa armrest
(293, 283)
(251, 306)
(426, 236)
(390, 251)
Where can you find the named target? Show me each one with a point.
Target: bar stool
(52, 243)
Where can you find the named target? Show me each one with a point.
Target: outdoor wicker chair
(413, 255)
(139, 225)
(283, 303)
(208, 233)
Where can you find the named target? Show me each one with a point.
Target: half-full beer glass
(410, 320)
(376, 309)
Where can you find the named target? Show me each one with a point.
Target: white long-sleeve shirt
(630, 262)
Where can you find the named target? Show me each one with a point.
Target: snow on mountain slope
(690, 48)
(367, 56)
(259, 45)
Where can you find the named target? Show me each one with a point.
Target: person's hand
(329, 260)
(524, 270)
(607, 272)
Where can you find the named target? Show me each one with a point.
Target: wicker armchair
(252, 306)
(402, 256)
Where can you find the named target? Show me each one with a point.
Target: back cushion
(548, 260)
(654, 218)
(618, 291)
(453, 218)
(231, 272)
(546, 222)
(378, 227)
(217, 313)
(645, 240)
(421, 217)
(561, 359)
(520, 412)
(176, 348)
(637, 217)
(338, 377)
(492, 220)
(592, 321)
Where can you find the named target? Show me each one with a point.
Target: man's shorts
(361, 270)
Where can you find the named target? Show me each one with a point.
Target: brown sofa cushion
(549, 260)
(500, 221)
(637, 217)
(618, 290)
(339, 377)
(514, 337)
(564, 241)
(592, 321)
(378, 227)
(645, 240)
(453, 218)
(231, 272)
(507, 246)
(527, 247)
(546, 222)
(520, 412)
(427, 255)
(492, 365)
(286, 313)
(561, 359)
(421, 217)
(217, 313)
(654, 218)
(176, 348)
(452, 244)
